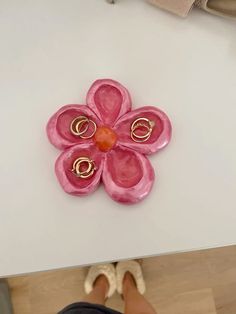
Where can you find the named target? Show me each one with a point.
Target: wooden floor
(201, 282)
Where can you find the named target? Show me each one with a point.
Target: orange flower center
(105, 138)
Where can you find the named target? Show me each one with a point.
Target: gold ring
(140, 122)
(93, 132)
(80, 125)
(141, 125)
(88, 172)
(77, 124)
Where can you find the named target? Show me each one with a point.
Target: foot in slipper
(133, 268)
(108, 270)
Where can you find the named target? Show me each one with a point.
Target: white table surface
(51, 52)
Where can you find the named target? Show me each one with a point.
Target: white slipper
(95, 271)
(135, 269)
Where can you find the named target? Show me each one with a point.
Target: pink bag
(180, 7)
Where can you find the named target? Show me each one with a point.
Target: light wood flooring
(202, 282)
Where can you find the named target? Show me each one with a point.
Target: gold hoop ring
(137, 124)
(78, 123)
(142, 125)
(88, 172)
(94, 130)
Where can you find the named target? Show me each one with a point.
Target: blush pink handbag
(179, 7)
(225, 8)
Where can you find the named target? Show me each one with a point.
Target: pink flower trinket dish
(105, 141)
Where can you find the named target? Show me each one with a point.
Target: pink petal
(160, 135)
(128, 176)
(68, 180)
(58, 127)
(109, 100)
